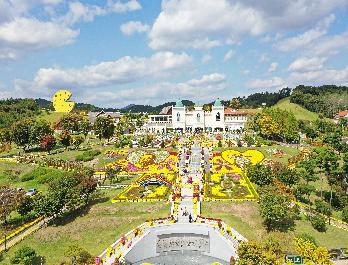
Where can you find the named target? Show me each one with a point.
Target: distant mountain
(46, 104)
(152, 109)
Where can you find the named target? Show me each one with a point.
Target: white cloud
(132, 27)
(273, 67)
(199, 23)
(24, 34)
(307, 37)
(274, 82)
(228, 56)
(81, 12)
(78, 11)
(320, 77)
(121, 7)
(124, 70)
(207, 24)
(21, 31)
(307, 64)
(330, 44)
(200, 89)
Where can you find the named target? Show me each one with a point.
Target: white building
(179, 117)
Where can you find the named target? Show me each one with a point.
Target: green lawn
(51, 116)
(288, 151)
(94, 229)
(299, 112)
(244, 217)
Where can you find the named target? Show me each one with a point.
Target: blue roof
(217, 103)
(179, 104)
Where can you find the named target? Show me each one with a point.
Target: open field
(93, 228)
(299, 112)
(245, 218)
(288, 151)
(50, 116)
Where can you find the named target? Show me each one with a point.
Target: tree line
(327, 100)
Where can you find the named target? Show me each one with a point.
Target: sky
(113, 53)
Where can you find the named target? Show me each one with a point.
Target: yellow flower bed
(216, 191)
(159, 192)
(116, 152)
(215, 177)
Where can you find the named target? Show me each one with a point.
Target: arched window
(178, 116)
(218, 116)
(198, 117)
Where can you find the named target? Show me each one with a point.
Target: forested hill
(150, 109)
(326, 100)
(12, 110)
(46, 104)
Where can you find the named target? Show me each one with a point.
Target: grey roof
(92, 116)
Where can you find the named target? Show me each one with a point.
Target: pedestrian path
(190, 175)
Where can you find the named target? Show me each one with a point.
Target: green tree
(260, 174)
(275, 208)
(66, 194)
(345, 215)
(104, 127)
(235, 103)
(277, 124)
(322, 207)
(10, 199)
(85, 127)
(25, 256)
(65, 139)
(308, 172)
(25, 206)
(289, 177)
(304, 190)
(21, 133)
(37, 130)
(78, 255)
(71, 122)
(6, 136)
(112, 173)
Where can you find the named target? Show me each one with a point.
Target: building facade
(179, 117)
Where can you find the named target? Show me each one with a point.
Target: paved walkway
(190, 175)
(16, 239)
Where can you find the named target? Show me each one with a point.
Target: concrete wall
(146, 248)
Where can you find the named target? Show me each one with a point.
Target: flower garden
(228, 180)
(139, 161)
(155, 171)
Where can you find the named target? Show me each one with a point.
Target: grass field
(288, 151)
(299, 112)
(245, 218)
(93, 229)
(51, 116)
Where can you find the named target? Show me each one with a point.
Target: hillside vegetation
(299, 112)
(12, 110)
(326, 100)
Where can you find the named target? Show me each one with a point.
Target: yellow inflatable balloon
(60, 101)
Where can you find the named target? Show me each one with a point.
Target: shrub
(24, 255)
(42, 175)
(318, 223)
(345, 215)
(88, 155)
(308, 237)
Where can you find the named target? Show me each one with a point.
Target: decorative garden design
(228, 180)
